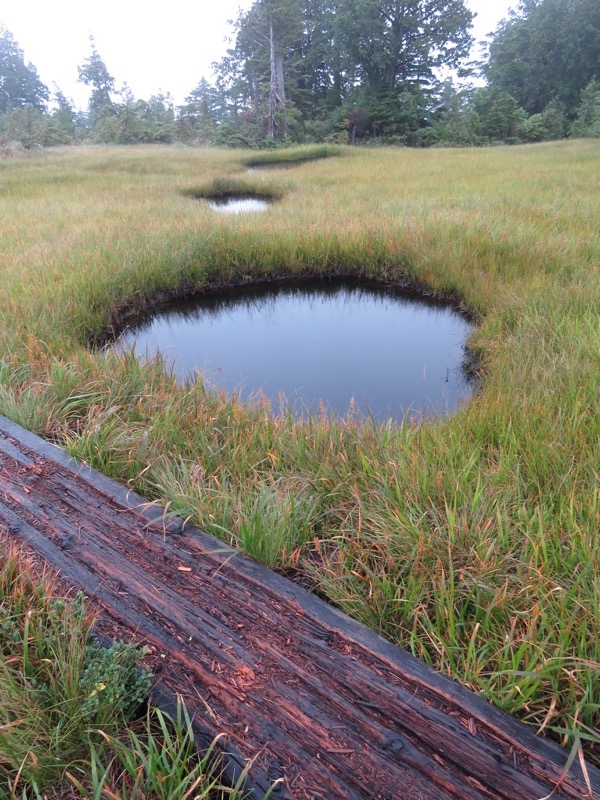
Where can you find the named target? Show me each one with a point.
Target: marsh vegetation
(472, 541)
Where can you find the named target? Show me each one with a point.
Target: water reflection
(238, 205)
(347, 345)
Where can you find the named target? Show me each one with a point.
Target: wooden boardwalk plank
(314, 697)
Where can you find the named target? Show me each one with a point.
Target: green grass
(66, 708)
(470, 541)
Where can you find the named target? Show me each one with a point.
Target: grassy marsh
(471, 541)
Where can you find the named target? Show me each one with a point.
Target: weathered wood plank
(311, 695)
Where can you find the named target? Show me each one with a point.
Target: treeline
(357, 71)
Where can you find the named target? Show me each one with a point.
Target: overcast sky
(151, 46)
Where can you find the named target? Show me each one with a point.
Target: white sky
(150, 45)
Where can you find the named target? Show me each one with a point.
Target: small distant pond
(338, 344)
(287, 163)
(238, 205)
(279, 164)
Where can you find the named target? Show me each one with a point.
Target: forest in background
(371, 72)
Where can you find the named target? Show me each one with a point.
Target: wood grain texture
(312, 696)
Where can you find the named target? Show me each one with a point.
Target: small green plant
(113, 679)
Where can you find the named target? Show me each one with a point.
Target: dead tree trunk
(276, 86)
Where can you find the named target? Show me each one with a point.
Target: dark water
(342, 344)
(238, 205)
(280, 165)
